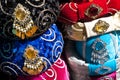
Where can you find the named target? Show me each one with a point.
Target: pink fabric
(58, 71)
(111, 76)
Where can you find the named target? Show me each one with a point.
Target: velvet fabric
(58, 71)
(43, 14)
(74, 11)
(78, 68)
(111, 76)
(49, 47)
(68, 9)
(112, 46)
(113, 6)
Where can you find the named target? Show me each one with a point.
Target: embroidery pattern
(99, 54)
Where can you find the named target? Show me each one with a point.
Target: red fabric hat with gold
(73, 11)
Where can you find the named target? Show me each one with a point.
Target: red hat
(73, 12)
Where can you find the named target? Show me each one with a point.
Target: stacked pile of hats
(92, 34)
(30, 42)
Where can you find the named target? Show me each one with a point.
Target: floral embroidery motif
(33, 64)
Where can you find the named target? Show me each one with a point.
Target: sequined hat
(86, 10)
(23, 19)
(31, 57)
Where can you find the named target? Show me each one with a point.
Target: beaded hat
(23, 19)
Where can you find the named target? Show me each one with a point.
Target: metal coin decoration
(101, 27)
(33, 64)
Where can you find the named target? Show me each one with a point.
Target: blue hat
(33, 56)
(100, 52)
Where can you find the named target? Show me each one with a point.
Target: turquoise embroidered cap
(100, 52)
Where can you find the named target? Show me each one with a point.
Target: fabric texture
(103, 45)
(111, 76)
(113, 6)
(58, 71)
(78, 68)
(15, 55)
(67, 10)
(73, 12)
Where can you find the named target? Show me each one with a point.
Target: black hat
(26, 19)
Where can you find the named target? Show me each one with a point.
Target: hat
(26, 19)
(31, 57)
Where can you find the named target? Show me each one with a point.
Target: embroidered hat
(23, 19)
(31, 57)
(82, 31)
(79, 68)
(73, 12)
(58, 71)
(101, 52)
